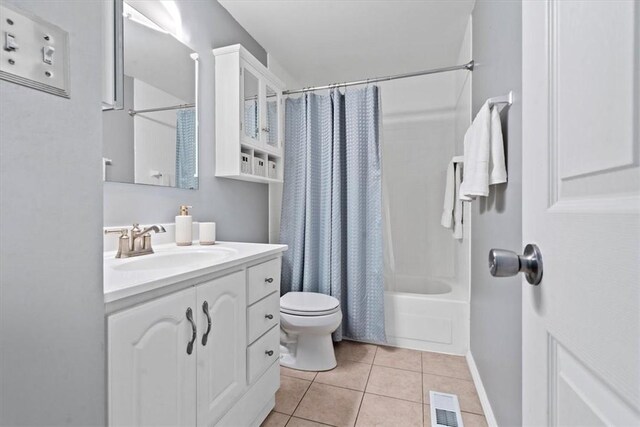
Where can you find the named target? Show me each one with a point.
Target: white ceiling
(330, 41)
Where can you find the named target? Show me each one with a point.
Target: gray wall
(240, 209)
(52, 347)
(497, 220)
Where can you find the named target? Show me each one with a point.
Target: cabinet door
(152, 378)
(250, 105)
(271, 128)
(222, 354)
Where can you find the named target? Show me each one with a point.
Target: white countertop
(122, 281)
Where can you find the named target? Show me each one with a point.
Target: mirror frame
(113, 14)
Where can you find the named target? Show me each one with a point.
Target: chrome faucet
(138, 244)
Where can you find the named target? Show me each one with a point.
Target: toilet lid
(308, 304)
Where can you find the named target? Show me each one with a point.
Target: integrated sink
(186, 258)
(171, 264)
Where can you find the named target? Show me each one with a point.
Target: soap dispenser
(184, 223)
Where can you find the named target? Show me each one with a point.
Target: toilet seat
(308, 304)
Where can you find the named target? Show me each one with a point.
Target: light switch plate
(28, 63)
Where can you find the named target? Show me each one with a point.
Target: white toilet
(307, 320)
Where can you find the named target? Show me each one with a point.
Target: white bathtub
(427, 314)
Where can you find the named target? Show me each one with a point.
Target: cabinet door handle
(268, 316)
(269, 352)
(205, 308)
(194, 332)
(269, 280)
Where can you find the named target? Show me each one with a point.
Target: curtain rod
(151, 110)
(468, 66)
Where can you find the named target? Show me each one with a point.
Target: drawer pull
(269, 352)
(193, 329)
(269, 280)
(268, 316)
(205, 308)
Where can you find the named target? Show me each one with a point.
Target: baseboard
(482, 393)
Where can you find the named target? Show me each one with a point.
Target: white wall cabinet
(181, 359)
(249, 117)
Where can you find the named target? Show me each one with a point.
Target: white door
(152, 377)
(222, 375)
(581, 206)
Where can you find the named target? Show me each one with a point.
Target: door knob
(504, 263)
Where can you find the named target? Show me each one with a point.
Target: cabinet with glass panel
(249, 117)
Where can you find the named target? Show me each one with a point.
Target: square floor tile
(381, 411)
(290, 393)
(295, 373)
(397, 383)
(299, 422)
(427, 415)
(355, 351)
(347, 374)
(401, 358)
(465, 390)
(330, 405)
(446, 365)
(275, 419)
(473, 420)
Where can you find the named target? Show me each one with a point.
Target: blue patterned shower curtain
(186, 157)
(331, 210)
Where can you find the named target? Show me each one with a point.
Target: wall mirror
(153, 138)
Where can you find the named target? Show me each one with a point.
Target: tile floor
(374, 386)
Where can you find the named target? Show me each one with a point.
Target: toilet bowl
(307, 320)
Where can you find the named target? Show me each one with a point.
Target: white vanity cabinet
(152, 379)
(202, 356)
(221, 346)
(249, 117)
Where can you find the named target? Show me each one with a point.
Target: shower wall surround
(462, 120)
(426, 270)
(422, 118)
(239, 208)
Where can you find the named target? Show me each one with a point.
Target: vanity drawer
(263, 279)
(262, 354)
(262, 316)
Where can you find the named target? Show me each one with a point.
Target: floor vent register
(445, 410)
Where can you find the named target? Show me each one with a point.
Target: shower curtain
(331, 213)
(186, 149)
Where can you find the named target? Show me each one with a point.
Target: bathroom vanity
(193, 335)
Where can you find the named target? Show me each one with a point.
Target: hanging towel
(457, 207)
(449, 197)
(452, 208)
(483, 154)
(497, 168)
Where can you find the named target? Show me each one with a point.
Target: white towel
(449, 197)
(497, 168)
(457, 207)
(452, 207)
(483, 154)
